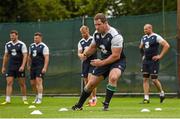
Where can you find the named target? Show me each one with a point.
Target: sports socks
(85, 94)
(146, 97)
(8, 99)
(109, 92)
(161, 93)
(39, 95)
(24, 98)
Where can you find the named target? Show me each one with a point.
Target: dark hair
(14, 31)
(38, 34)
(100, 16)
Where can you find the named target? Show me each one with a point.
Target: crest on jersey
(120, 67)
(97, 36)
(9, 45)
(82, 42)
(32, 46)
(18, 45)
(93, 71)
(155, 71)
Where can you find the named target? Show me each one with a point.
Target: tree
(78, 8)
(9, 10)
(137, 7)
(32, 10)
(52, 10)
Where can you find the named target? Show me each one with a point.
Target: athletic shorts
(86, 69)
(15, 73)
(104, 70)
(150, 67)
(36, 72)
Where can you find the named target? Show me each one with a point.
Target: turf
(121, 107)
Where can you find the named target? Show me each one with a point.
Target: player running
(112, 62)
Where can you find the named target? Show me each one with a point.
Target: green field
(121, 107)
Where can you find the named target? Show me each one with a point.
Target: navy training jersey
(37, 52)
(83, 44)
(15, 51)
(112, 39)
(151, 45)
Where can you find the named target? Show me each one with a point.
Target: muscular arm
(141, 49)
(116, 53)
(24, 59)
(165, 48)
(80, 55)
(29, 62)
(46, 61)
(5, 60)
(140, 46)
(23, 62)
(90, 50)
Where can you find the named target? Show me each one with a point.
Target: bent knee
(113, 79)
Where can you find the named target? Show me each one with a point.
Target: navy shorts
(104, 70)
(150, 67)
(15, 73)
(86, 69)
(36, 72)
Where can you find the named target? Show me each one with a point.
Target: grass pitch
(121, 107)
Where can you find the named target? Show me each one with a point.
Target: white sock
(39, 95)
(162, 93)
(8, 99)
(24, 98)
(146, 97)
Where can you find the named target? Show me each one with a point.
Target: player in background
(37, 64)
(15, 56)
(87, 68)
(149, 47)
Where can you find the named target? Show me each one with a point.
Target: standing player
(150, 65)
(87, 68)
(38, 60)
(15, 56)
(112, 63)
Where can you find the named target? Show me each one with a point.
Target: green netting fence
(63, 76)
